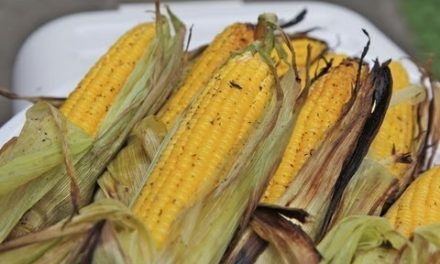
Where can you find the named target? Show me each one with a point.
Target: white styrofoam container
(56, 56)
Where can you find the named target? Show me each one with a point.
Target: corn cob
(87, 105)
(322, 109)
(232, 39)
(419, 205)
(218, 120)
(396, 134)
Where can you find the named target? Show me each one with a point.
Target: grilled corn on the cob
(220, 118)
(87, 105)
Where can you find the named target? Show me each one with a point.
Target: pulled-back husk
(367, 192)
(374, 187)
(147, 87)
(33, 163)
(103, 232)
(371, 239)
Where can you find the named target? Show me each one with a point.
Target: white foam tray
(56, 56)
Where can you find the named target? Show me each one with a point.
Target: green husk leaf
(120, 237)
(38, 154)
(7, 148)
(144, 92)
(213, 219)
(127, 170)
(38, 148)
(362, 239)
(367, 192)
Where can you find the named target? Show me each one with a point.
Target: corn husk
(368, 191)
(38, 155)
(371, 239)
(143, 93)
(127, 170)
(358, 239)
(281, 233)
(103, 232)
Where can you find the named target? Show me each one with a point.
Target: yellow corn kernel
(419, 205)
(215, 126)
(322, 109)
(397, 131)
(232, 39)
(87, 105)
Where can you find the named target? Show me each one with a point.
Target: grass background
(423, 19)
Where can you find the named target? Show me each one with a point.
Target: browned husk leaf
(290, 241)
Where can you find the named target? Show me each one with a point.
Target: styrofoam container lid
(57, 56)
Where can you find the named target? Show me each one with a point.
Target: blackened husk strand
(382, 85)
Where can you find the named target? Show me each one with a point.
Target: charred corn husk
(395, 139)
(232, 39)
(323, 108)
(87, 105)
(419, 205)
(393, 155)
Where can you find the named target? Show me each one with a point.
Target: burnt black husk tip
(296, 20)
(382, 82)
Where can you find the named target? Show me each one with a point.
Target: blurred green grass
(423, 19)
